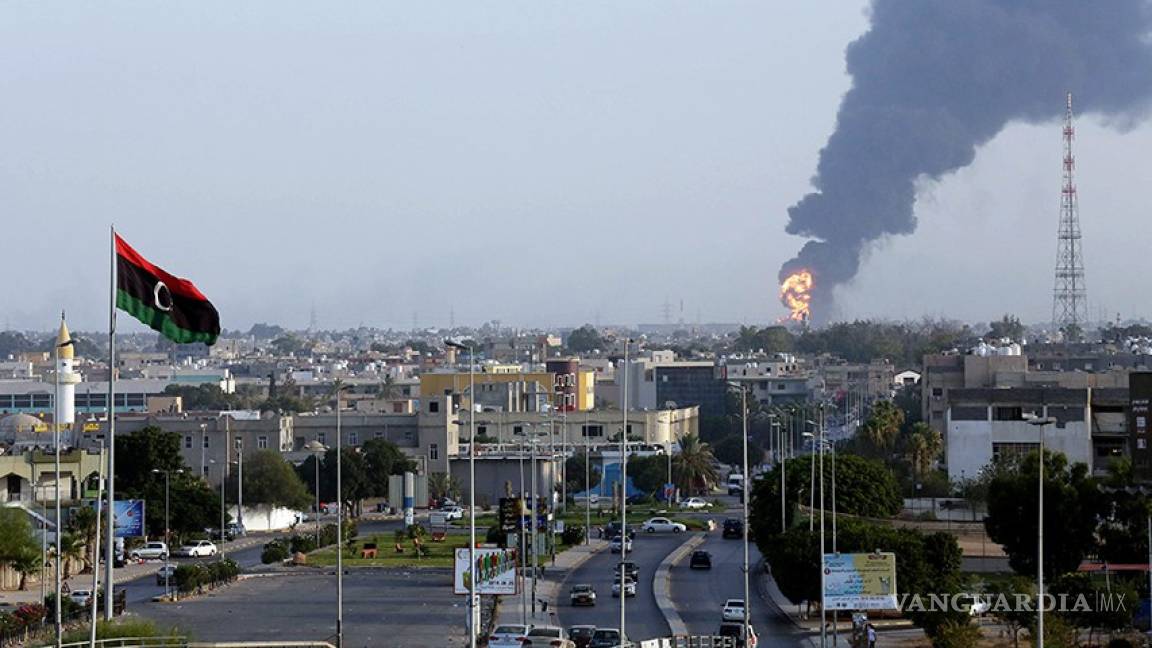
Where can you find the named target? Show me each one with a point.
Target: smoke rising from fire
(933, 80)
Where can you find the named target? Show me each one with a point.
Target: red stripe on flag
(176, 285)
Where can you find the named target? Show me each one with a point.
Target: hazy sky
(540, 163)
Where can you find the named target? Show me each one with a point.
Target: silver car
(508, 636)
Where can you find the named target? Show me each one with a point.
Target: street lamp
(744, 497)
(782, 460)
(317, 449)
(1040, 422)
(167, 527)
(339, 524)
(473, 597)
(624, 495)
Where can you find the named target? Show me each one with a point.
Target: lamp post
(1040, 422)
(339, 524)
(223, 511)
(473, 597)
(167, 526)
(744, 499)
(624, 496)
(783, 481)
(317, 449)
(240, 482)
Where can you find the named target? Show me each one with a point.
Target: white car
(453, 513)
(508, 636)
(663, 525)
(619, 544)
(150, 551)
(547, 635)
(198, 549)
(629, 587)
(695, 503)
(733, 610)
(81, 597)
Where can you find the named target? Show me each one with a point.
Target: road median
(662, 583)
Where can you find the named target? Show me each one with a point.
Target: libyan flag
(168, 304)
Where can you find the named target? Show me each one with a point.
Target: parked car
(663, 525)
(235, 529)
(695, 503)
(733, 528)
(166, 574)
(453, 513)
(582, 595)
(612, 529)
(629, 587)
(508, 636)
(150, 551)
(197, 549)
(581, 635)
(81, 597)
(736, 631)
(631, 569)
(214, 534)
(547, 635)
(733, 610)
(605, 638)
(619, 545)
(700, 560)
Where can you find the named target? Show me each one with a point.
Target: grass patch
(124, 628)
(436, 554)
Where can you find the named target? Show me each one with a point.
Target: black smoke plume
(934, 79)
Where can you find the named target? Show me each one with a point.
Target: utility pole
(1069, 298)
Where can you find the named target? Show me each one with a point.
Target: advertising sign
(495, 571)
(860, 581)
(129, 516)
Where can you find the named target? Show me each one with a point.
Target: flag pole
(110, 507)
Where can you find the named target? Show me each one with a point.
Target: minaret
(66, 389)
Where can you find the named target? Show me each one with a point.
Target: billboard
(1140, 422)
(129, 515)
(860, 581)
(495, 571)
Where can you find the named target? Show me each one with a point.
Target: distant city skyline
(541, 165)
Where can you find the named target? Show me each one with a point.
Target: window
(433, 452)
(262, 442)
(969, 413)
(206, 441)
(321, 438)
(433, 407)
(377, 434)
(398, 407)
(481, 429)
(1012, 451)
(353, 438)
(205, 469)
(937, 391)
(592, 430)
(188, 441)
(1007, 413)
(780, 386)
(519, 430)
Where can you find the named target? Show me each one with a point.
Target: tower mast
(1069, 299)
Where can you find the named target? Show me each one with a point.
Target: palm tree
(27, 562)
(71, 548)
(82, 525)
(924, 446)
(443, 485)
(694, 468)
(883, 426)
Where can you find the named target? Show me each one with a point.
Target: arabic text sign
(495, 571)
(129, 516)
(860, 581)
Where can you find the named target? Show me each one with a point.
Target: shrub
(573, 535)
(953, 634)
(302, 544)
(274, 552)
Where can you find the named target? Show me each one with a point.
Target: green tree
(382, 459)
(354, 473)
(649, 474)
(693, 468)
(585, 339)
(193, 505)
(923, 449)
(1008, 327)
(771, 339)
(1071, 502)
(882, 428)
(71, 549)
(269, 479)
(1014, 618)
(442, 485)
(18, 548)
(730, 450)
(82, 524)
(574, 470)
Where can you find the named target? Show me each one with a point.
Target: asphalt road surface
(643, 619)
(699, 594)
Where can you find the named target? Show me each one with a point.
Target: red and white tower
(1069, 298)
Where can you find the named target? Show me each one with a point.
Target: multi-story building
(660, 381)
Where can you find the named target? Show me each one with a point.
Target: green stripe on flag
(159, 320)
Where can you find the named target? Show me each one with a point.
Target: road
(700, 594)
(644, 620)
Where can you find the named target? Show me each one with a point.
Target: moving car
(581, 635)
(150, 551)
(735, 484)
(81, 597)
(733, 528)
(547, 635)
(605, 638)
(700, 560)
(453, 513)
(197, 549)
(631, 569)
(582, 595)
(508, 636)
(235, 530)
(695, 503)
(663, 525)
(166, 574)
(733, 610)
(620, 544)
(629, 587)
(613, 529)
(736, 631)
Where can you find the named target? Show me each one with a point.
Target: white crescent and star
(163, 303)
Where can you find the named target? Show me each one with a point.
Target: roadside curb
(662, 584)
(547, 589)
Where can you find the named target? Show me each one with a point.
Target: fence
(690, 641)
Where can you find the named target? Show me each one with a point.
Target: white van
(735, 483)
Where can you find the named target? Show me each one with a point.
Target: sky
(537, 163)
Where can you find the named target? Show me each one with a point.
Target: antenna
(1069, 298)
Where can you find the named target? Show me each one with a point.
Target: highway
(644, 620)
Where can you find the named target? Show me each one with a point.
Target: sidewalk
(548, 588)
(120, 575)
